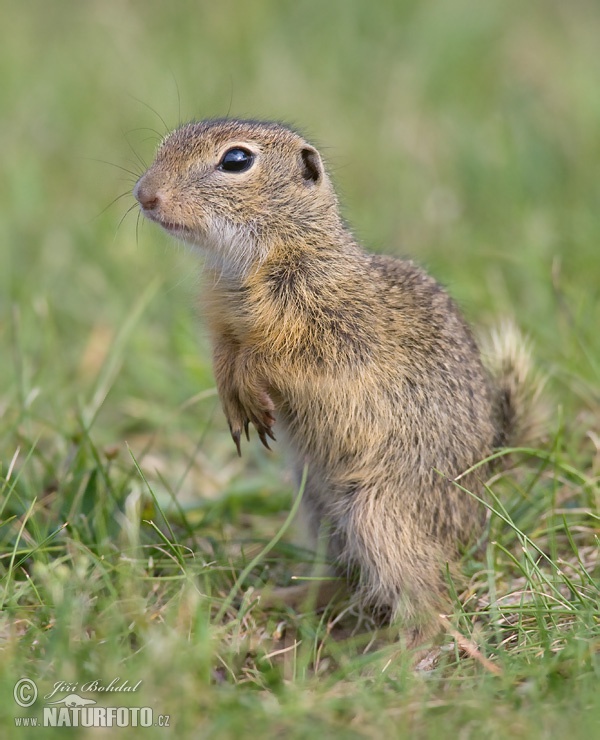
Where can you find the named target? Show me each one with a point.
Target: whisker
(137, 175)
(138, 157)
(142, 128)
(134, 163)
(156, 113)
(178, 98)
(230, 96)
(127, 212)
(114, 200)
(137, 229)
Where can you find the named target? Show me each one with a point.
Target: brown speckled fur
(364, 362)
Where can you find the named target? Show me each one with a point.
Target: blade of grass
(254, 562)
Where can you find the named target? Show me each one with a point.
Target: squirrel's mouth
(174, 228)
(171, 226)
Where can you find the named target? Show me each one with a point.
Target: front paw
(257, 409)
(261, 412)
(237, 418)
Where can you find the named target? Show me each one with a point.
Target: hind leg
(399, 567)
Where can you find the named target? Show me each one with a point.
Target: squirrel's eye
(236, 160)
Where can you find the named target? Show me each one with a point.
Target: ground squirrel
(362, 361)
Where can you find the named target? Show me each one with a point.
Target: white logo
(74, 710)
(25, 692)
(72, 700)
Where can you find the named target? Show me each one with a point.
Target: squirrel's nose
(146, 194)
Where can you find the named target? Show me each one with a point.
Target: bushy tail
(521, 411)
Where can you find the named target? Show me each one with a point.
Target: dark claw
(236, 438)
(263, 439)
(269, 431)
(247, 429)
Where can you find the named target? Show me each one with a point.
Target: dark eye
(236, 160)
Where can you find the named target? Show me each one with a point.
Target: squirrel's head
(237, 189)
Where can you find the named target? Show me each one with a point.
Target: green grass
(463, 135)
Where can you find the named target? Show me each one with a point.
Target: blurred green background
(464, 135)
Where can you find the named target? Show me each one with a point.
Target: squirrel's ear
(312, 167)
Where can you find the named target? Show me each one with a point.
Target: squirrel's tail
(521, 412)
